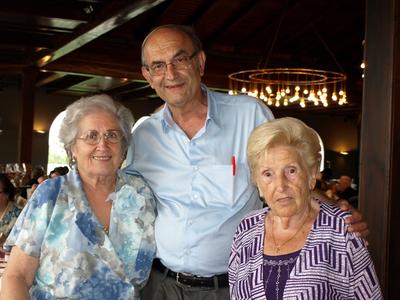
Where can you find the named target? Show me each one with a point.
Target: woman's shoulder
(47, 192)
(135, 180)
(331, 219)
(134, 184)
(333, 211)
(252, 219)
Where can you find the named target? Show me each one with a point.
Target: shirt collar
(212, 111)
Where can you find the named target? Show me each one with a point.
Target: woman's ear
(73, 151)
(260, 192)
(312, 180)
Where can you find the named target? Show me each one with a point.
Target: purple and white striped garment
(333, 264)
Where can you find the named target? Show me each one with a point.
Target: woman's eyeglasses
(93, 137)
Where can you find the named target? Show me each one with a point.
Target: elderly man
(193, 154)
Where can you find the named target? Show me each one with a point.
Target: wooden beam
(125, 11)
(52, 77)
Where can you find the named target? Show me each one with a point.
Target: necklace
(279, 247)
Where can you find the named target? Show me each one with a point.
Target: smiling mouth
(107, 157)
(172, 86)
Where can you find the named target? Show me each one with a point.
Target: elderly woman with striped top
(298, 247)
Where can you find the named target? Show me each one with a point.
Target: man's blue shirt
(202, 185)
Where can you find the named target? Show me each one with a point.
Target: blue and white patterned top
(77, 260)
(333, 263)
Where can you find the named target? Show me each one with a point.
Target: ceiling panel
(94, 45)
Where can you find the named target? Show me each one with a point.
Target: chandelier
(286, 86)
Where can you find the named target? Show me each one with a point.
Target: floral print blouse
(8, 219)
(77, 259)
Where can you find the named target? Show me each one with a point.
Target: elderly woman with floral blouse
(9, 210)
(297, 247)
(88, 234)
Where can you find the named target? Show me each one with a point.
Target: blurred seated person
(37, 172)
(62, 170)
(58, 171)
(54, 173)
(298, 243)
(331, 191)
(41, 179)
(9, 211)
(89, 234)
(344, 189)
(322, 183)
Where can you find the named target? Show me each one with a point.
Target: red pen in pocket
(233, 165)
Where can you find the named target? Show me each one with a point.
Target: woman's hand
(18, 275)
(355, 221)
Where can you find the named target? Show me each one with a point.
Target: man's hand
(355, 221)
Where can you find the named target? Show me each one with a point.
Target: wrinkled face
(177, 86)
(102, 159)
(283, 181)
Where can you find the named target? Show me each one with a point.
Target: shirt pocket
(221, 187)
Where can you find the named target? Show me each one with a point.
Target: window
(57, 155)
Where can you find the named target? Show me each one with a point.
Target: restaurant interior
(52, 53)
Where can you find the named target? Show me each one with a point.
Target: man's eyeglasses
(93, 137)
(181, 62)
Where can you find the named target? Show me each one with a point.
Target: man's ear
(202, 62)
(147, 76)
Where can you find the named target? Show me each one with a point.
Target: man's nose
(170, 71)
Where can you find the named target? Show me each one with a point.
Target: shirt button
(195, 196)
(195, 168)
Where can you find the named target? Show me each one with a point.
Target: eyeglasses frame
(190, 57)
(102, 136)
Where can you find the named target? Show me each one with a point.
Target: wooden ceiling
(81, 47)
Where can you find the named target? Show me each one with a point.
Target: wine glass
(18, 174)
(9, 170)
